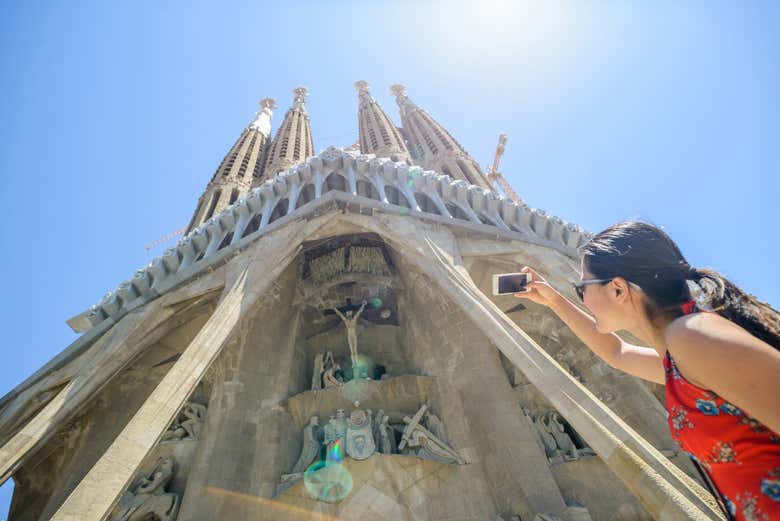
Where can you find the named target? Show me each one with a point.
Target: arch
(335, 181)
(226, 240)
(394, 196)
(213, 205)
(280, 210)
(253, 225)
(306, 195)
(426, 203)
(456, 212)
(366, 189)
(233, 196)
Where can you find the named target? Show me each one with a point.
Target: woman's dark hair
(645, 255)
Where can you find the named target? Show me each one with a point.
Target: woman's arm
(643, 362)
(725, 358)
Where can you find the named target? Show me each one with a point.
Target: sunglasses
(579, 287)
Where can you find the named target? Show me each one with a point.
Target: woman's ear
(619, 289)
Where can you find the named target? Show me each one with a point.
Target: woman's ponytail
(713, 292)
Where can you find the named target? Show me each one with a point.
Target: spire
(242, 165)
(293, 142)
(432, 147)
(378, 133)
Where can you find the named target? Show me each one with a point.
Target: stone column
(249, 440)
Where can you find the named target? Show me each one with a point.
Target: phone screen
(514, 283)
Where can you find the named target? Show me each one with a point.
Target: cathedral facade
(323, 343)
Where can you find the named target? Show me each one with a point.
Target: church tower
(432, 147)
(293, 142)
(378, 133)
(241, 166)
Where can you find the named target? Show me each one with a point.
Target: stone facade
(327, 347)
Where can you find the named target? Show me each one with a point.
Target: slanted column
(249, 440)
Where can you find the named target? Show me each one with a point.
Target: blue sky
(115, 115)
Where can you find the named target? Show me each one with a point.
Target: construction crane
(165, 238)
(494, 175)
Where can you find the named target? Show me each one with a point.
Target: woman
(721, 367)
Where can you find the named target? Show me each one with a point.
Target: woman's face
(610, 303)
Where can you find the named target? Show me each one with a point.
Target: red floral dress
(741, 456)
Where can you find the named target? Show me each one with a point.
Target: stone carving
(557, 444)
(383, 434)
(360, 434)
(351, 324)
(149, 501)
(335, 434)
(435, 425)
(311, 445)
(424, 444)
(547, 440)
(331, 377)
(188, 424)
(563, 441)
(319, 369)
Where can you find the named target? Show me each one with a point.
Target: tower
(378, 133)
(242, 166)
(293, 142)
(342, 357)
(432, 147)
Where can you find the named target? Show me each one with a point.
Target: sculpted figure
(311, 445)
(562, 439)
(316, 375)
(188, 425)
(149, 501)
(351, 323)
(547, 439)
(360, 434)
(383, 434)
(435, 425)
(428, 446)
(329, 379)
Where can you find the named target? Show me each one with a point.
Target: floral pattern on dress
(740, 455)
(755, 425)
(723, 452)
(680, 420)
(748, 507)
(708, 407)
(727, 408)
(770, 486)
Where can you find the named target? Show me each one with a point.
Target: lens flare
(376, 302)
(328, 481)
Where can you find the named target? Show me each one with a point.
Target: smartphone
(508, 283)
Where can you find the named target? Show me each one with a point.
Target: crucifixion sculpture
(351, 324)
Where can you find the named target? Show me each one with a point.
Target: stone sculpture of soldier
(311, 445)
(149, 499)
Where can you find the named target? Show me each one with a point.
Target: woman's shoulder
(700, 328)
(705, 344)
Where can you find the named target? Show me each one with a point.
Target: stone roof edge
(480, 209)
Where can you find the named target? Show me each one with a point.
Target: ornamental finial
(398, 90)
